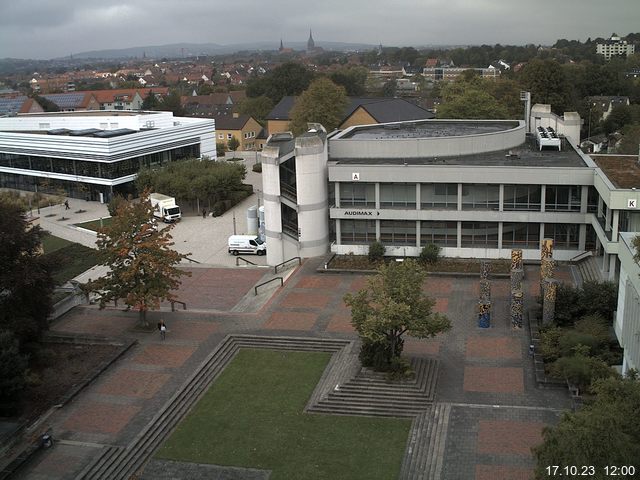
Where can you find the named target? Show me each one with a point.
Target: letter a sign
(355, 177)
(632, 203)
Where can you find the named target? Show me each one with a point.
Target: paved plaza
(486, 376)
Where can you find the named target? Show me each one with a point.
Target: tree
(151, 102)
(221, 148)
(323, 102)
(256, 107)
(601, 434)
(26, 284)
(13, 366)
(290, 78)
(353, 79)
(472, 103)
(630, 140)
(142, 266)
(546, 81)
(391, 305)
(233, 144)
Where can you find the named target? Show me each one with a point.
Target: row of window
(445, 234)
(474, 196)
(230, 135)
(83, 168)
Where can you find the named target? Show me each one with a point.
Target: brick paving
(493, 347)
(493, 379)
(508, 437)
(133, 383)
(479, 368)
(97, 417)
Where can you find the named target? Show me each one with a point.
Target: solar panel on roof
(113, 133)
(84, 133)
(58, 131)
(66, 100)
(8, 105)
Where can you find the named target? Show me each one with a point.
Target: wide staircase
(589, 270)
(423, 459)
(371, 393)
(115, 463)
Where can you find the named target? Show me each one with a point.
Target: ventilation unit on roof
(547, 137)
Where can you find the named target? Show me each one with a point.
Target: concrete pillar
(336, 192)
(584, 197)
(543, 198)
(418, 233)
(549, 302)
(312, 191)
(377, 190)
(338, 231)
(612, 267)
(418, 196)
(459, 197)
(270, 159)
(501, 201)
(500, 227)
(607, 221)
(517, 309)
(614, 225)
(582, 237)
(459, 239)
(378, 230)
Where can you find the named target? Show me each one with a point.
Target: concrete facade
(627, 317)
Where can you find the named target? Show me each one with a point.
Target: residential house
(614, 47)
(606, 104)
(243, 127)
(359, 111)
(12, 105)
(74, 101)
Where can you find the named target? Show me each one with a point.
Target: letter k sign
(631, 203)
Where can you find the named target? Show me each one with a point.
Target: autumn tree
(256, 107)
(603, 433)
(323, 102)
(143, 268)
(391, 305)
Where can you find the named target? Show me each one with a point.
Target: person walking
(204, 213)
(66, 205)
(163, 330)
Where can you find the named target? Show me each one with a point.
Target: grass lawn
(70, 259)
(94, 224)
(252, 416)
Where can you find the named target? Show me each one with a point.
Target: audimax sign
(361, 213)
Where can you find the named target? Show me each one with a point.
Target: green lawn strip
(95, 224)
(51, 243)
(69, 259)
(252, 416)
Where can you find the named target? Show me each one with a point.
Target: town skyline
(73, 27)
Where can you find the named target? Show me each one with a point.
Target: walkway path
(493, 412)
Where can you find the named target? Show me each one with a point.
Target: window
(221, 136)
(521, 235)
(398, 232)
(563, 198)
(439, 195)
(480, 197)
(479, 235)
(522, 197)
(361, 232)
(398, 195)
(443, 234)
(229, 136)
(357, 195)
(564, 235)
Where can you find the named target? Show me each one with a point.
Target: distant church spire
(310, 43)
(281, 46)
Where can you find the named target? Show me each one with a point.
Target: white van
(246, 244)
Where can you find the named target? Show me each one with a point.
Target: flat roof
(525, 155)
(622, 170)
(91, 113)
(429, 129)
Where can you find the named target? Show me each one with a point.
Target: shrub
(550, 344)
(581, 370)
(114, 204)
(257, 167)
(376, 251)
(13, 367)
(570, 339)
(430, 253)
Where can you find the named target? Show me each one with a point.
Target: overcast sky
(55, 28)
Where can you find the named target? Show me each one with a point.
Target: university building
(476, 188)
(93, 155)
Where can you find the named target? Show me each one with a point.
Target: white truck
(246, 244)
(165, 208)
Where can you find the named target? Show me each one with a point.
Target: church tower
(310, 43)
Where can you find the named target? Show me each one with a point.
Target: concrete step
(367, 412)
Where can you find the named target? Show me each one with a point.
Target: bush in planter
(376, 252)
(581, 370)
(257, 168)
(430, 254)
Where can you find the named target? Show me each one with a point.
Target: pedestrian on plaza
(66, 205)
(204, 213)
(163, 330)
